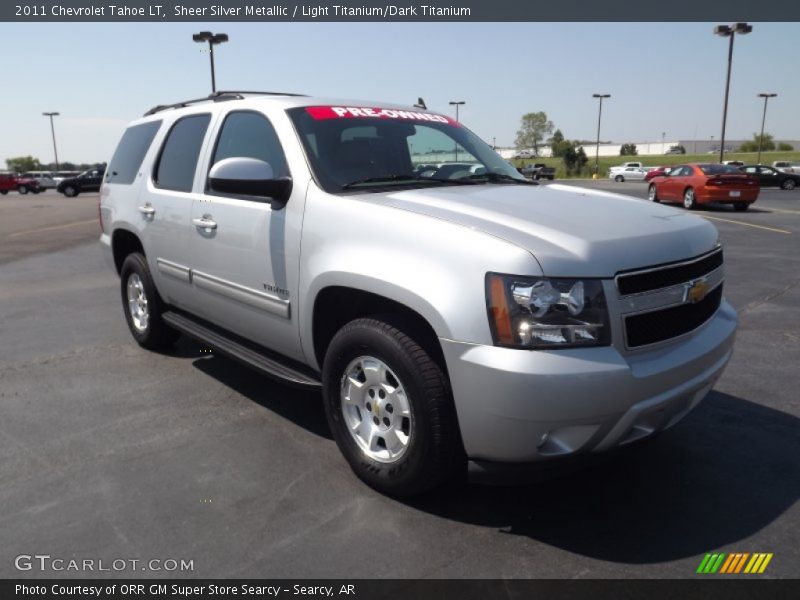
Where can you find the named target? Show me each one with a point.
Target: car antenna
(420, 104)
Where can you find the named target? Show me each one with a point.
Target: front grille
(645, 281)
(660, 325)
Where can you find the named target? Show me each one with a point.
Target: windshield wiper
(405, 178)
(497, 178)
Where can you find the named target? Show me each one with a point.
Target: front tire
(390, 410)
(788, 184)
(689, 201)
(22, 189)
(143, 306)
(70, 191)
(619, 179)
(652, 193)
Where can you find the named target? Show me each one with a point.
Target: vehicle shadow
(726, 472)
(304, 408)
(718, 477)
(728, 208)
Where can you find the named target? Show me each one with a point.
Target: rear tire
(788, 184)
(389, 407)
(22, 189)
(143, 306)
(741, 206)
(689, 201)
(652, 193)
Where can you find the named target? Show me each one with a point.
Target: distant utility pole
(763, 119)
(53, 132)
(597, 148)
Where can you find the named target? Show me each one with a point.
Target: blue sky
(664, 77)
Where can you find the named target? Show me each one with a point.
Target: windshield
(364, 149)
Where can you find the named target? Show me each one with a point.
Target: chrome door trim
(255, 298)
(174, 270)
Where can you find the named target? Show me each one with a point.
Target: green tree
(628, 150)
(21, 164)
(533, 128)
(581, 159)
(679, 149)
(767, 144)
(784, 147)
(558, 145)
(570, 158)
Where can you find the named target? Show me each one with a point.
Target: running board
(270, 365)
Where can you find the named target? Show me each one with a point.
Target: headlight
(535, 312)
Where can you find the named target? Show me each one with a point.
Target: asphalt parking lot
(108, 451)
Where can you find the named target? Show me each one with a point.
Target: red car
(656, 172)
(12, 181)
(695, 184)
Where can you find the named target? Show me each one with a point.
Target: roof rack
(220, 96)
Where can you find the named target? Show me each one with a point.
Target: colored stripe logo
(735, 562)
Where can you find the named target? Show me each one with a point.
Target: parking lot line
(774, 229)
(54, 227)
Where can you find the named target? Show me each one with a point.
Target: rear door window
(178, 159)
(127, 159)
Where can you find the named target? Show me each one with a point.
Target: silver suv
(452, 317)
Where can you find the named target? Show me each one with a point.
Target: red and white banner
(322, 113)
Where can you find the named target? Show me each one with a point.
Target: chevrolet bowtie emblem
(697, 290)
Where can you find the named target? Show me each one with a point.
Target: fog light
(544, 439)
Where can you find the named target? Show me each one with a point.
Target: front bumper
(528, 405)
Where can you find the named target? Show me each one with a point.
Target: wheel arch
(336, 305)
(123, 243)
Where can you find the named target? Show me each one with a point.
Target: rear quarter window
(130, 152)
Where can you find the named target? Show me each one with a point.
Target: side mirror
(250, 177)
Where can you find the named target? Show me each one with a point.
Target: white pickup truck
(624, 166)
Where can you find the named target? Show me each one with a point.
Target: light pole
(763, 119)
(729, 31)
(53, 131)
(457, 103)
(213, 39)
(663, 133)
(597, 148)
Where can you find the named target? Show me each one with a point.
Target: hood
(571, 231)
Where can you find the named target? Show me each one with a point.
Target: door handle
(147, 210)
(205, 222)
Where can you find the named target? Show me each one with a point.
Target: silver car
(452, 318)
(630, 174)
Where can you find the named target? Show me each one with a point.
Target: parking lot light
(766, 97)
(597, 148)
(53, 132)
(729, 31)
(213, 39)
(457, 103)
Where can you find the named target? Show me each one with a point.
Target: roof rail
(220, 96)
